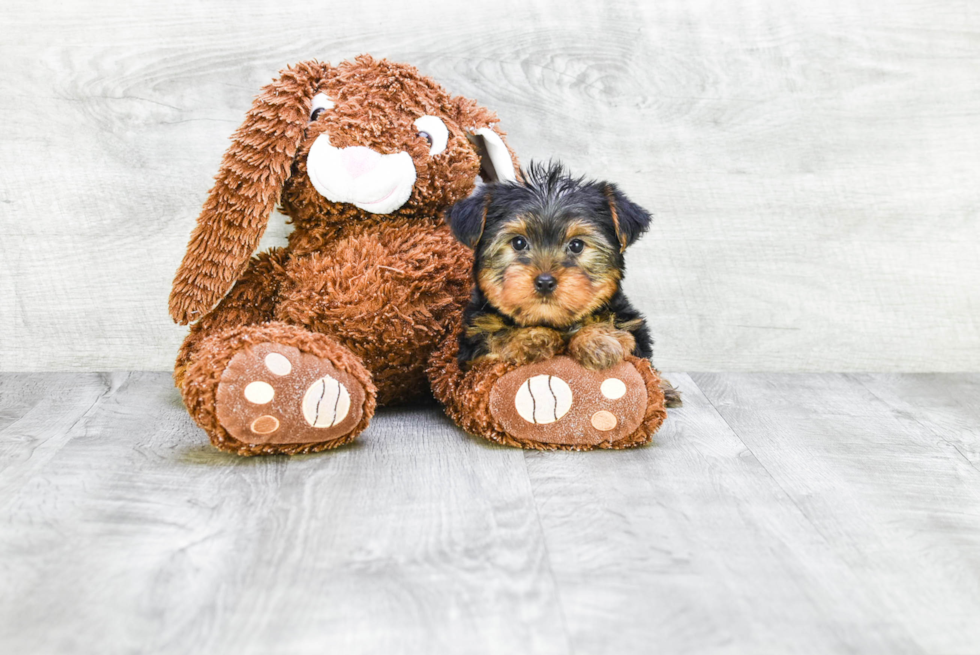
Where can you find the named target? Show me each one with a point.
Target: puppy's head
(549, 250)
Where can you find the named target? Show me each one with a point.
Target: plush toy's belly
(388, 293)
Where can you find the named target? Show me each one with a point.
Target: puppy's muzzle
(545, 284)
(376, 183)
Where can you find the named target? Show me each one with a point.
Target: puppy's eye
(576, 246)
(321, 103)
(435, 132)
(519, 243)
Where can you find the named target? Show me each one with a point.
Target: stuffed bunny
(291, 350)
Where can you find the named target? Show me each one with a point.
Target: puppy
(548, 267)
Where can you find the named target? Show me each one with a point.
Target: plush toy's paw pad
(273, 394)
(543, 399)
(562, 402)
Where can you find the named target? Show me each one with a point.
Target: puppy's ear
(246, 190)
(468, 218)
(630, 219)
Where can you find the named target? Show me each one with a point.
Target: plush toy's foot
(561, 402)
(275, 394)
(274, 388)
(555, 404)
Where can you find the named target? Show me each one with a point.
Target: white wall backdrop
(814, 167)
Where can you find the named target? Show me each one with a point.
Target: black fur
(473, 346)
(633, 219)
(549, 192)
(465, 218)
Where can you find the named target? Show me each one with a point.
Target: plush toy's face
(382, 139)
(333, 144)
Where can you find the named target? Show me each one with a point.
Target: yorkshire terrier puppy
(548, 267)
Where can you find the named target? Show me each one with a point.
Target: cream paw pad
(561, 402)
(271, 393)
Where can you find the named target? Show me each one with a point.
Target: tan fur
(515, 344)
(486, 324)
(525, 345)
(615, 218)
(509, 284)
(600, 345)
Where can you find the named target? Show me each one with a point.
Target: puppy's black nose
(545, 283)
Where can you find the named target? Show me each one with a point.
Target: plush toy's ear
(630, 219)
(496, 162)
(246, 190)
(467, 218)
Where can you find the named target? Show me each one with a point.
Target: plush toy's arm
(245, 192)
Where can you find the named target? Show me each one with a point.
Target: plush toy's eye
(321, 103)
(576, 246)
(435, 132)
(519, 243)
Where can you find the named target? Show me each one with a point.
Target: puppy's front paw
(599, 346)
(528, 345)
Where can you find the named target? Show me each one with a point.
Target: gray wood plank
(38, 413)
(19, 394)
(774, 513)
(899, 505)
(136, 536)
(692, 546)
(811, 165)
(947, 404)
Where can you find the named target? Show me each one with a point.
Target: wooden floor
(774, 514)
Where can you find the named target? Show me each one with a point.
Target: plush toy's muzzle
(376, 183)
(382, 183)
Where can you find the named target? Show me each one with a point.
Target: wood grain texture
(896, 502)
(810, 165)
(136, 536)
(772, 514)
(948, 405)
(694, 546)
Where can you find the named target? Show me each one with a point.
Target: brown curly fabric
(252, 300)
(245, 192)
(212, 356)
(378, 291)
(388, 291)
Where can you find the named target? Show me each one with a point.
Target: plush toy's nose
(359, 160)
